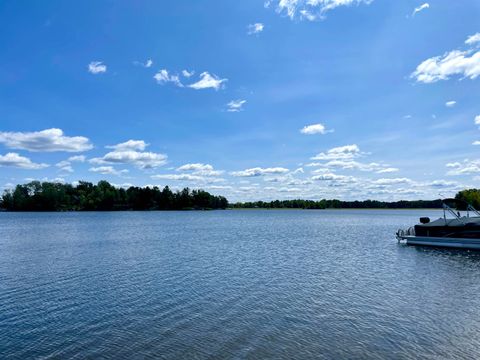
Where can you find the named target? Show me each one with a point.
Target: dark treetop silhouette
(47, 196)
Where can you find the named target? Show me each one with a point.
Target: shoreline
(209, 210)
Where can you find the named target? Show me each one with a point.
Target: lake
(240, 284)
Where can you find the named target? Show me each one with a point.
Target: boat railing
(468, 207)
(453, 213)
(472, 209)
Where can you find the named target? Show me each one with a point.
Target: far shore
(436, 209)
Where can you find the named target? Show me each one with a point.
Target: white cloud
(476, 142)
(311, 9)
(15, 160)
(195, 167)
(420, 8)
(163, 77)
(178, 177)
(63, 163)
(456, 62)
(453, 165)
(129, 145)
(467, 167)
(333, 177)
(387, 170)
(451, 103)
(200, 169)
(142, 160)
(236, 105)
(97, 67)
(355, 165)
(131, 152)
(255, 28)
(477, 120)
(473, 39)
(146, 64)
(67, 168)
(219, 187)
(78, 158)
(46, 140)
(259, 172)
(315, 129)
(442, 184)
(108, 170)
(66, 165)
(187, 177)
(187, 73)
(393, 181)
(339, 153)
(208, 81)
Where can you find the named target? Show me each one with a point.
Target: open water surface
(247, 284)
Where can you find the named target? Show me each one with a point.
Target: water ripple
(231, 284)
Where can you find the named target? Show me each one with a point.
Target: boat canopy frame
(469, 208)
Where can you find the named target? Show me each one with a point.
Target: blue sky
(255, 100)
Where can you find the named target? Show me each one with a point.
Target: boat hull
(459, 243)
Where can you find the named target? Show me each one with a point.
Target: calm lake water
(232, 285)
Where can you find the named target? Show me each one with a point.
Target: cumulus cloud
(77, 158)
(387, 170)
(420, 8)
(146, 64)
(187, 73)
(129, 145)
(208, 81)
(315, 129)
(451, 103)
(163, 76)
(67, 168)
(128, 153)
(15, 160)
(235, 105)
(45, 141)
(255, 28)
(340, 153)
(108, 170)
(97, 67)
(465, 63)
(178, 177)
(66, 165)
(258, 171)
(441, 184)
(311, 9)
(477, 120)
(473, 39)
(333, 177)
(356, 165)
(142, 160)
(200, 169)
(187, 177)
(393, 181)
(467, 167)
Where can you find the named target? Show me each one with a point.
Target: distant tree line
(338, 204)
(49, 196)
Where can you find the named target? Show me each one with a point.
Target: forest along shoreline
(86, 196)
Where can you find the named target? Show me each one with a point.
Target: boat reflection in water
(452, 230)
